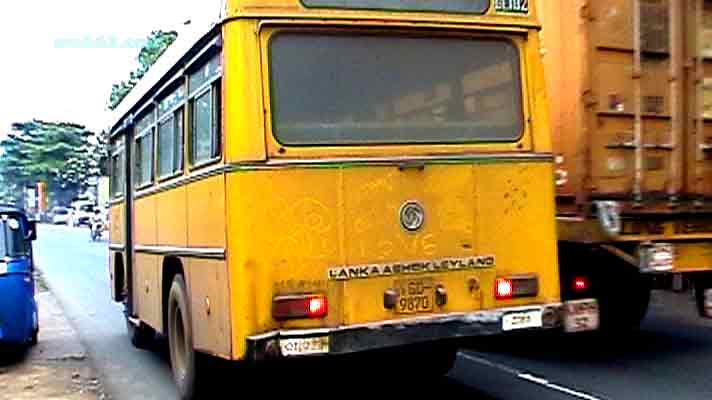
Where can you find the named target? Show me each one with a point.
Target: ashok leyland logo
(412, 216)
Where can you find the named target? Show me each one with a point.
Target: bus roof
(187, 45)
(516, 12)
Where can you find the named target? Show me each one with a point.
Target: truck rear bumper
(388, 334)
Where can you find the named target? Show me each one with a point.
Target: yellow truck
(324, 177)
(629, 89)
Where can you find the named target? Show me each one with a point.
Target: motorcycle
(97, 228)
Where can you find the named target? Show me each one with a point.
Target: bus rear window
(455, 6)
(357, 89)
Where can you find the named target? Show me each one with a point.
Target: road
(76, 270)
(669, 358)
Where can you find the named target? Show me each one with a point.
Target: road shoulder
(57, 368)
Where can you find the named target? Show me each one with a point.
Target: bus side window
(170, 133)
(117, 168)
(204, 100)
(143, 166)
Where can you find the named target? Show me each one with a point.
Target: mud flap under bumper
(388, 334)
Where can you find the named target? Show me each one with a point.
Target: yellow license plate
(415, 295)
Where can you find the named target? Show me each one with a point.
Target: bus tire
(190, 368)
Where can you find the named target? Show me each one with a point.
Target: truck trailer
(629, 84)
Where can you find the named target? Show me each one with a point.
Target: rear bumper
(388, 334)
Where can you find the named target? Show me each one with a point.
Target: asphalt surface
(670, 357)
(76, 270)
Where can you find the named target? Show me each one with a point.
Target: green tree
(157, 42)
(9, 192)
(63, 154)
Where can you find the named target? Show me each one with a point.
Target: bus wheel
(189, 367)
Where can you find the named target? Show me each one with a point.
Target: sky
(59, 58)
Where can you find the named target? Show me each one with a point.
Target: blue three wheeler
(18, 306)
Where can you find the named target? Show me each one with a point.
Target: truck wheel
(624, 304)
(190, 368)
(642, 300)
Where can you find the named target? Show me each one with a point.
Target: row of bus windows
(160, 131)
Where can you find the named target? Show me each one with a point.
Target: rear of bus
(401, 190)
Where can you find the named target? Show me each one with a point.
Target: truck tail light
(300, 306)
(580, 283)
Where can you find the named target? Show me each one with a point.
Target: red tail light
(580, 283)
(504, 288)
(515, 286)
(317, 307)
(300, 306)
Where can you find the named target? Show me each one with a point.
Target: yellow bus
(325, 177)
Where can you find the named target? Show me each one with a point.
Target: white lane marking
(489, 363)
(529, 377)
(553, 386)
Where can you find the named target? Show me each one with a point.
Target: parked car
(61, 215)
(19, 323)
